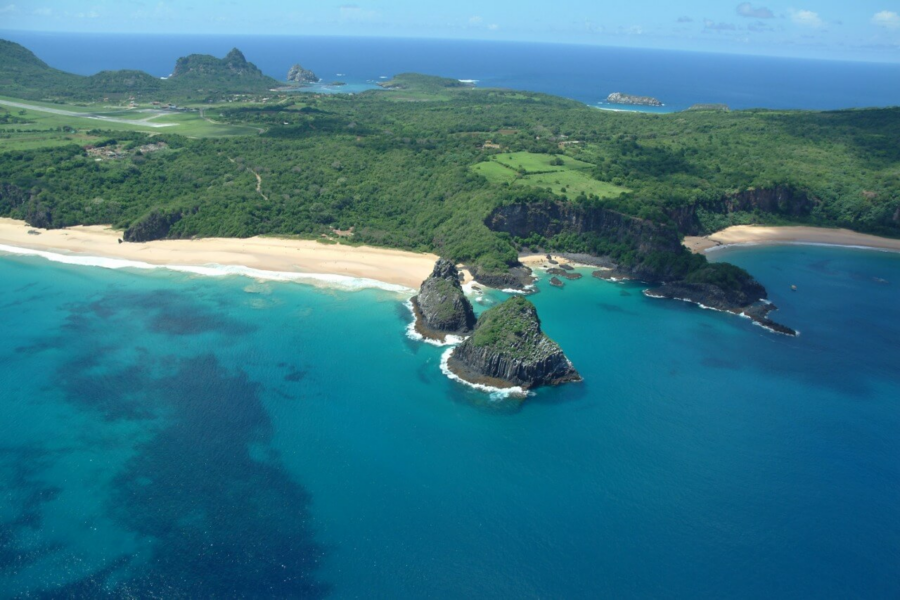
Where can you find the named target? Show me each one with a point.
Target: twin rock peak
(505, 347)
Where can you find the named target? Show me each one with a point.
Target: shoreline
(305, 261)
(759, 235)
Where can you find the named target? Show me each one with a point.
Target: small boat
(793, 288)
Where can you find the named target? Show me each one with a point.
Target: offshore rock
(298, 74)
(620, 98)
(561, 272)
(508, 349)
(514, 278)
(441, 308)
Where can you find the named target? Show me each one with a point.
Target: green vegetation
(36, 127)
(418, 174)
(198, 78)
(501, 326)
(414, 87)
(559, 174)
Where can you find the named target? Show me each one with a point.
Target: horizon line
(451, 39)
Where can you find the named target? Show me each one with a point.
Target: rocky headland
(441, 308)
(297, 74)
(509, 349)
(747, 298)
(620, 98)
(656, 256)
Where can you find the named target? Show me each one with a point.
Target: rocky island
(441, 308)
(297, 74)
(509, 349)
(620, 98)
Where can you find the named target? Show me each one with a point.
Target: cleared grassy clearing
(531, 163)
(570, 179)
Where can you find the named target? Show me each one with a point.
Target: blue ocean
(177, 436)
(584, 73)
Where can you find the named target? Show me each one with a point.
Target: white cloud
(493, 27)
(745, 9)
(475, 20)
(888, 19)
(807, 18)
(713, 26)
(43, 12)
(8, 9)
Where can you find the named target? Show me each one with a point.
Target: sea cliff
(441, 308)
(509, 349)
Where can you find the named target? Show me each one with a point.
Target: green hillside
(197, 77)
(432, 171)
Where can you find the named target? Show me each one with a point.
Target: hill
(195, 77)
(234, 72)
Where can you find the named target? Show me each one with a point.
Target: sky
(828, 29)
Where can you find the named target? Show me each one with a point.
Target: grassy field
(43, 128)
(570, 179)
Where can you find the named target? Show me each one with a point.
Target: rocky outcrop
(441, 308)
(552, 218)
(628, 99)
(298, 74)
(780, 200)
(556, 282)
(514, 278)
(153, 226)
(748, 300)
(564, 273)
(508, 349)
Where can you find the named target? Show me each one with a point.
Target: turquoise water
(179, 436)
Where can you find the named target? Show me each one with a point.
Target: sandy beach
(754, 234)
(394, 267)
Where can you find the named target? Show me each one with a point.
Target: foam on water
(495, 392)
(342, 282)
(411, 333)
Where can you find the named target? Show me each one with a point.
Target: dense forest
(424, 164)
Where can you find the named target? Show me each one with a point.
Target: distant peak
(235, 56)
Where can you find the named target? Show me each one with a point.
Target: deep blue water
(584, 73)
(179, 436)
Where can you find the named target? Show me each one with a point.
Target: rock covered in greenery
(620, 98)
(234, 63)
(441, 308)
(298, 74)
(508, 348)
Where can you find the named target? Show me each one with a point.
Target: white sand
(394, 267)
(755, 234)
